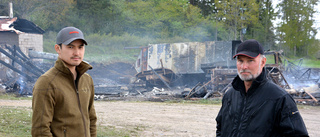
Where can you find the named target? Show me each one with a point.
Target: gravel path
(168, 119)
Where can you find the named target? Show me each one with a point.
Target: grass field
(16, 121)
(303, 62)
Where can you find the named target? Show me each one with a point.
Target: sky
(316, 17)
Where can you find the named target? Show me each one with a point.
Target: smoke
(21, 83)
(302, 78)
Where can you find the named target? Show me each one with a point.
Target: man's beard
(250, 77)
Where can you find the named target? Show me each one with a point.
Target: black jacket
(266, 110)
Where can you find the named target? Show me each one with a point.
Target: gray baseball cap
(69, 34)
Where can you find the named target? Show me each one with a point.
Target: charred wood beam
(308, 72)
(164, 70)
(20, 52)
(221, 92)
(277, 82)
(16, 70)
(13, 51)
(43, 55)
(316, 101)
(160, 78)
(19, 62)
(284, 79)
(14, 54)
(189, 94)
(143, 74)
(11, 81)
(25, 59)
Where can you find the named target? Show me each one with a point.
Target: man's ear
(57, 48)
(263, 62)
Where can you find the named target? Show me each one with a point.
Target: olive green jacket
(62, 109)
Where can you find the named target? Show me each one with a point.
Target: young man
(63, 97)
(255, 106)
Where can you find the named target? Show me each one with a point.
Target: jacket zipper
(79, 104)
(242, 115)
(65, 132)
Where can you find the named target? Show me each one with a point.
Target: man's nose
(244, 65)
(76, 51)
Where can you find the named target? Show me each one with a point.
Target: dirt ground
(168, 119)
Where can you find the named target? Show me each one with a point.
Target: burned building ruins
(206, 68)
(183, 63)
(18, 37)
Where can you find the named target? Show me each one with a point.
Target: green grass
(15, 122)
(311, 63)
(103, 131)
(306, 62)
(8, 96)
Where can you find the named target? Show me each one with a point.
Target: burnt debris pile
(18, 72)
(161, 72)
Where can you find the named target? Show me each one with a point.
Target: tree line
(125, 23)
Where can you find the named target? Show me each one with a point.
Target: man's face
(71, 54)
(250, 68)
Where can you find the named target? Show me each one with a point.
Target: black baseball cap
(69, 34)
(250, 48)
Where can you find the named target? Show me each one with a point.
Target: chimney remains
(10, 10)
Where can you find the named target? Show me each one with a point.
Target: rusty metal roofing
(19, 26)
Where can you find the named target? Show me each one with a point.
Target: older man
(255, 106)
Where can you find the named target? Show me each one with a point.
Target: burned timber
(206, 70)
(177, 70)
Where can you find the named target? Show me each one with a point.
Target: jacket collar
(81, 68)
(238, 84)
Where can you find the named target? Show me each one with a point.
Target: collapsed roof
(18, 26)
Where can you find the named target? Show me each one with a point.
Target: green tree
(166, 18)
(4, 10)
(207, 6)
(21, 10)
(48, 14)
(237, 15)
(94, 14)
(295, 30)
(263, 30)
